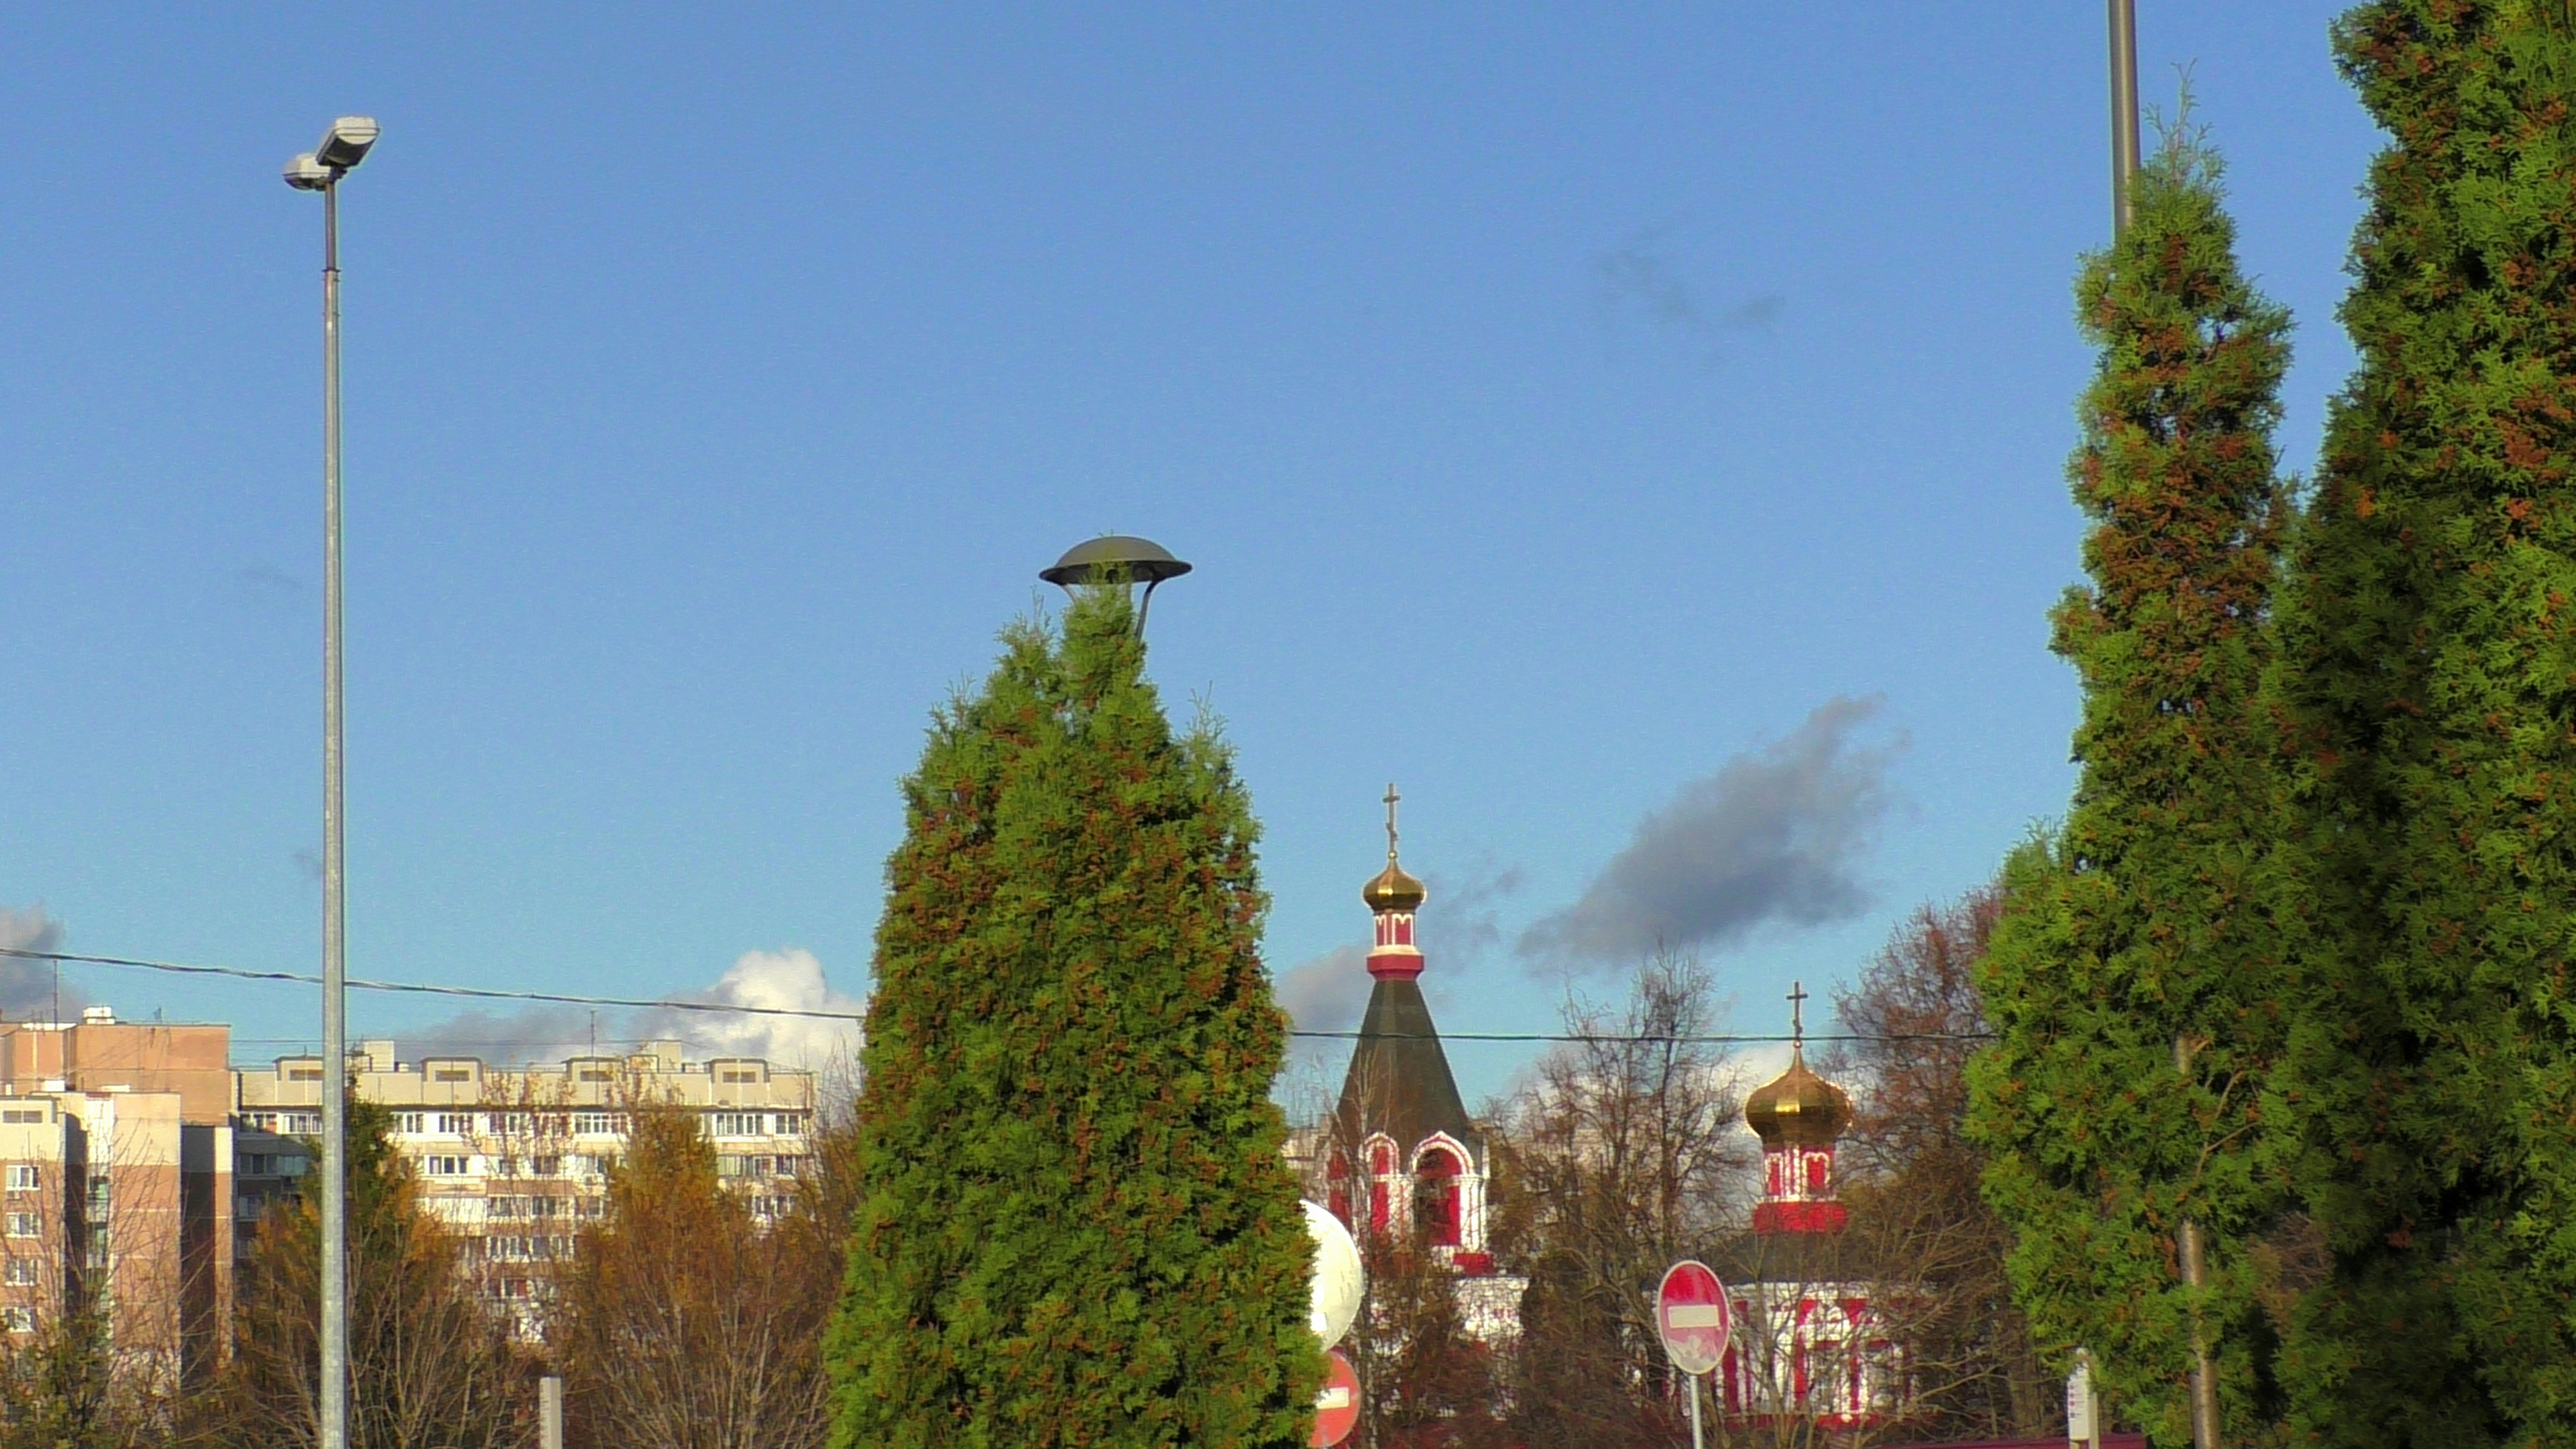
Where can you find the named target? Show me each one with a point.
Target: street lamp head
(346, 143)
(1114, 558)
(306, 174)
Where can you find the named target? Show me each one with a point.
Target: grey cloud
(535, 1034)
(791, 979)
(1638, 280)
(28, 989)
(1774, 837)
(266, 589)
(1327, 993)
(1463, 916)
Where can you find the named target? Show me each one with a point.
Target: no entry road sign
(1337, 1408)
(1692, 1315)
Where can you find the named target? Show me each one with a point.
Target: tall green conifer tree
(2429, 667)
(2138, 923)
(1076, 1226)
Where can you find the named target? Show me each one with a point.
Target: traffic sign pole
(1691, 1383)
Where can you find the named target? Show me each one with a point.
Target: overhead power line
(566, 998)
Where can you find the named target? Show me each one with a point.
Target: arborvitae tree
(2139, 924)
(1075, 1223)
(2429, 669)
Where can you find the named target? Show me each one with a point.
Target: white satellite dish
(1339, 1280)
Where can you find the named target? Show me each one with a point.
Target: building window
(410, 1124)
(23, 1114)
(304, 1074)
(1337, 1187)
(795, 1166)
(18, 1319)
(1436, 1197)
(594, 1124)
(304, 1124)
(453, 1074)
(739, 1078)
(503, 1207)
(446, 1166)
(792, 1124)
(456, 1124)
(545, 1167)
(735, 1124)
(1816, 1170)
(25, 1225)
(26, 1177)
(19, 1272)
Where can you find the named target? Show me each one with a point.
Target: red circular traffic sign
(1693, 1317)
(1337, 1408)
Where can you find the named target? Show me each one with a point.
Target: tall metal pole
(335, 1026)
(2195, 1276)
(2124, 173)
(1691, 1384)
(2124, 109)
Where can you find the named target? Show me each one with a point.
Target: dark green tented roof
(1399, 1080)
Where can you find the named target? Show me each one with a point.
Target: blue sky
(1559, 403)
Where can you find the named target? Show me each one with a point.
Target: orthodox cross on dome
(1391, 798)
(1798, 1015)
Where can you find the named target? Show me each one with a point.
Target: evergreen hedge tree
(1075, 1224)
(2429, 666)
(2139, 922)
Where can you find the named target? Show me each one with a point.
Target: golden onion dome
(1798, 1109)
(1393, 890)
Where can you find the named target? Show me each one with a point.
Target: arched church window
(1381, 1170)
(1816, 1174)
(1437, 1205)
(1337, 1187)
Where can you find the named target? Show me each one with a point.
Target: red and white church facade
(1811, 1342)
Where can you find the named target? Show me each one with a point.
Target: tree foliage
(431, 1366)
(1075, 1225)
(2429, 671)
(1624, 1153)
(687, 1322)
(2143, 923)
(1933, 1247)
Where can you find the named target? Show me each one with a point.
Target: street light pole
(342, 148)
(2124, 110)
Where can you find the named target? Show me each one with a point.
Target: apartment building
(115, 1190)
(515, 1159)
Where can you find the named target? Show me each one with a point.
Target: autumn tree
(1075, 1225)
(1934, 1249)
(686, 1320)
(431, 1365)
(1624, 1153)
(2429, 670)
(2134, 978)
